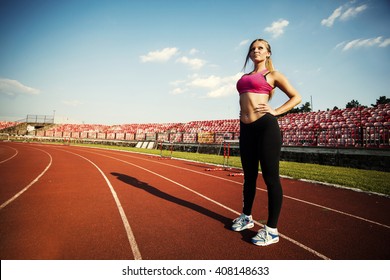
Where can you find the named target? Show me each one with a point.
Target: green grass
(367, 180)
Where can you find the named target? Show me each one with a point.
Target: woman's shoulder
(277, 75)
(274, 72)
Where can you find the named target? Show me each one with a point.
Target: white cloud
(226, 87)
(277, 27)
(194, 63)
(385, 43)
(209, 82)
(215, 86)
(339, 45)
(193, 51)
(178, 90)
(343, 13)
(211, 86)
(243, 43)
(352, 12)
(223, 90)
(177, 83)
(372, 42)
(330, 20)
(14, 88)
(159, 55)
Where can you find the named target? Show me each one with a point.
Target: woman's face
(259, 52)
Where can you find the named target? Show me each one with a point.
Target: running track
(67, 202)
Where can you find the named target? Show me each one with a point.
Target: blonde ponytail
(270, 66)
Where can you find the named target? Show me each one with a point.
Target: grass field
(366, 180)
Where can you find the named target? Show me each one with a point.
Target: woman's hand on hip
(265, 108)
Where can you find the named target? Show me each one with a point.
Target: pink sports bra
(255, 83)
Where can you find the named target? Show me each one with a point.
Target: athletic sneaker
(243, 222)
(266, 236)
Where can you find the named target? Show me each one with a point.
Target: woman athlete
(260, 138)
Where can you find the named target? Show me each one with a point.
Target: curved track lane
(102, 204)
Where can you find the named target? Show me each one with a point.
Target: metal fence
(40, 119)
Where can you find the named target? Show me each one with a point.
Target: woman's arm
(280, 81)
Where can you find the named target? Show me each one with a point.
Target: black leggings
(261, 141)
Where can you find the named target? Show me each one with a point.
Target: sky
(163, 61)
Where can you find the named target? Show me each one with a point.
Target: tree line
(306, 107)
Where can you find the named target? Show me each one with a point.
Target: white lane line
(16, 152)
(221, 205)
(29, 185)
(337, 211)
(264, 190)
(296, 199)
(129, 232)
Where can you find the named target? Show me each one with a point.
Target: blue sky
(114, 62)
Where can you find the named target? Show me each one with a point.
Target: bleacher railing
(359, 137)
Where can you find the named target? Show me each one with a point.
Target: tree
(381, 100)
(306, 107)
(303, 109)
(353, 104)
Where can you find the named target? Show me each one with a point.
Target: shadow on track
(134, 182)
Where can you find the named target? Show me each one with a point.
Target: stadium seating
(5, 124)
(355, 127)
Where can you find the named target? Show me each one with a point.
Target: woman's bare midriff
(248, 102)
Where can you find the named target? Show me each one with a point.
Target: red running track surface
(68, 202)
